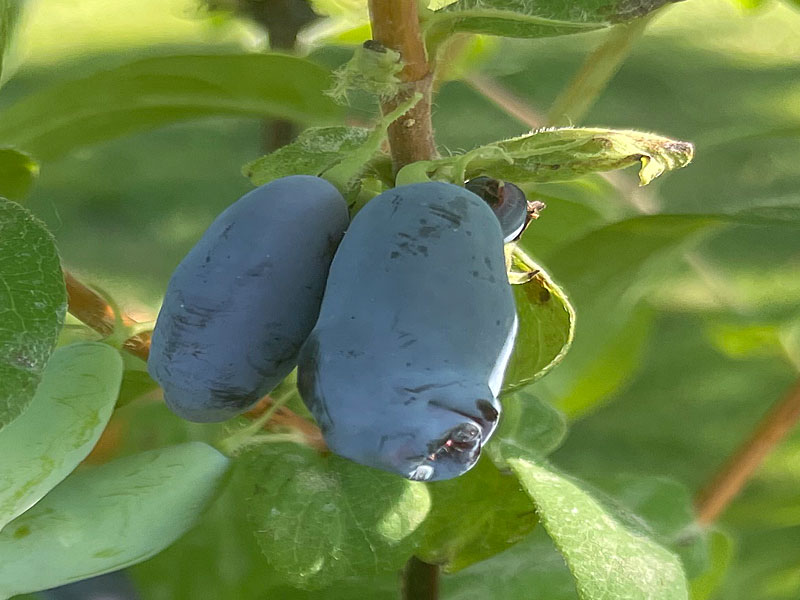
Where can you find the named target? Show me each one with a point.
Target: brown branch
(735, 473)
(90, 308)
(395, 24)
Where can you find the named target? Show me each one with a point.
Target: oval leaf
(106, 518)
(320, 519)
(33, 301)
(313, 152)
(68, 413)
(546, 326)
(493, 515)
(536, 18)
(157, 91)
(17, 172)
(606, 559)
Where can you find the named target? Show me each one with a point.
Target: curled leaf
(562, 154)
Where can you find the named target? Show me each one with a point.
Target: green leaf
(606, 559)
(742, 340)
(703, 587)
(68, 413)
(535, 18)
(530, 570)
(353, 9)
(135, 384)
(607, 356)
(661, 508)
(574, 209)
(109, 517)
(608, 273)
(157, 91)
(749, 4)
(546, 326)
(528, 424)
(320, 519)
(17, 172)
(313, 152)
(339, 154)
(493, 514)
(10, 11)
(563, 154)
(33, 302)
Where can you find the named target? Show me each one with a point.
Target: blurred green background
(721, 338)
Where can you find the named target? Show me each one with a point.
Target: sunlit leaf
(546, 324)
(606, 559)
(33, 302)
(313, 152)
(661, 508)
(341, 8)
(60, 427)
(105, 518)
(563, 154)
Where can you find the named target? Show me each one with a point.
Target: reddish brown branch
(736, 472)
(88, 306)
(395, 24)
(91, 309)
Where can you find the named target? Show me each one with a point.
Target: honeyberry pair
(401, 336)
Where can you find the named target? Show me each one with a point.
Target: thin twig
(90, 308)
(596, 72)
(713, 499)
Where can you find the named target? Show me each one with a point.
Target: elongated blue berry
(242, 302)
(403, 368)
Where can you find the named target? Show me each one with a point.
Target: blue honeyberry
(242, 302)
(403, 368)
